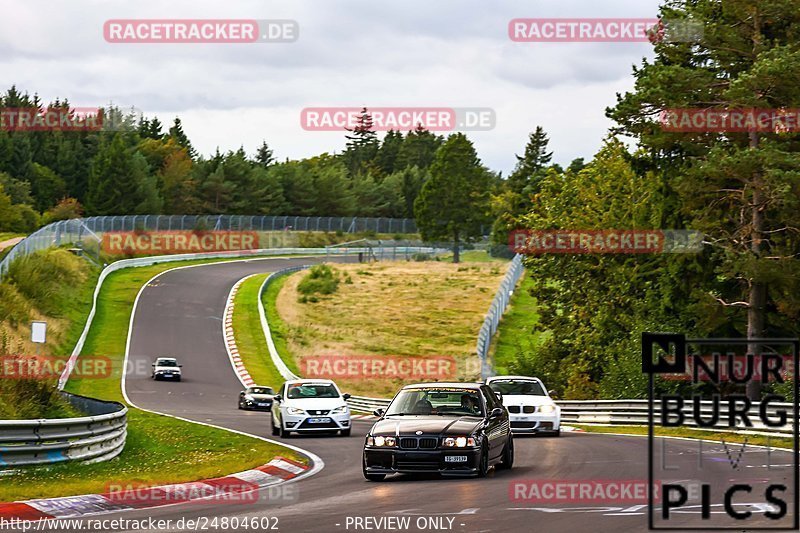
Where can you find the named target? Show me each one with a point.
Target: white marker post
(38, 334)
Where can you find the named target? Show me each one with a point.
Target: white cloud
(350, 53)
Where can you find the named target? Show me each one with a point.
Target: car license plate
(263, 404)
(319, 420)
(455, 458)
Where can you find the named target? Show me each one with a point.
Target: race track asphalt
(179, 314)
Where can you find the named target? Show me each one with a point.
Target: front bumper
(535, 423)
(163, 375)
(312, 424)
(382, 460)
(256, 406)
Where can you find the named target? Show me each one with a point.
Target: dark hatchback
(256, 398)
(453, 429)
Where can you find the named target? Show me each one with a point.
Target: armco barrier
(496, 310)
(94, 438)
(76, 231)
(636, 413)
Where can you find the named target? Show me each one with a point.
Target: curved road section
(179, 314)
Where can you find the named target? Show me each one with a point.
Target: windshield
(429, 401)
(521, 387)
(260, 390)
(310, 390)
(166, 362)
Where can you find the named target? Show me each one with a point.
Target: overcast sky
(453, 53)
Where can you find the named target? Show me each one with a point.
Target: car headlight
(295, 411)
(459, 442)
(339, 410)
(248, 398)
(547, 408)
(381, 441)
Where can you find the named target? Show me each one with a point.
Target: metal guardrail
(496, 310)
(90, 439)
(636, 413)
(76, 231)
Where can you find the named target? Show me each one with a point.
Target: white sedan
(310, 406)
(530, 407)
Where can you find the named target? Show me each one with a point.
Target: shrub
(322, 279)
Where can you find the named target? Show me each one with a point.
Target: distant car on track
(166, 368)
(310, 406)
(256, 398)
(454, 429)
(529, 405)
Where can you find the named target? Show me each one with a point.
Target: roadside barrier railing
(636, 413)
(94, 438)
(496, 310)
(80, 231)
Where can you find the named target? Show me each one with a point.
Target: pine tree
(362, 145)
(176, 132)
(264, 156)
(530, 166)
(740, 189)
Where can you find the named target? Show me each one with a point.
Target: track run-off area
(179, 313)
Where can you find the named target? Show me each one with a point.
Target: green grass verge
(756, 440)
(474, 256)
(516, 333)
(278, 328)
(159, 449)
(249, 336)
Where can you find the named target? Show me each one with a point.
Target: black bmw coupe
(454, 429)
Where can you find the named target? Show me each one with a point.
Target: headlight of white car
(248, 397)
(295, 411)
(547, 408)
(339, 410)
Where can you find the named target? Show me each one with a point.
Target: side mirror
(379, 412)
(242, 393)
(553, 394)
(346, 396)
(277, 398)
(153, 364)
(180, 365)
(497, 412)
(499, 397)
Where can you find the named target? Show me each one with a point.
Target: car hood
(526, 399)
(429, 425)
(314, 403)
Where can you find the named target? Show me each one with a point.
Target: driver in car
(470, 404)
